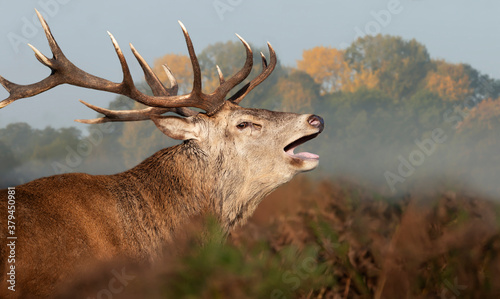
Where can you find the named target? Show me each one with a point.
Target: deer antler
(163, 99)
(157, 88)
(266, 71)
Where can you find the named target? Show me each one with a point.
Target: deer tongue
(302, 155)
(306, 155)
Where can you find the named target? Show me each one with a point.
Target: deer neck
(184, 181)
(236, 190)
(165, 190)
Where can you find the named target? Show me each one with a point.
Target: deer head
(252, 150)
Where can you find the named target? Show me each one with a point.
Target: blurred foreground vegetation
(331, 240)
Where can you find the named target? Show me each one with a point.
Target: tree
(8, 162)
(476, 144)
(230, 57)
(449, 81)
(329, 68)
(400, 65)
(140, 140)
(51, 143)
(362, 78)
(296, 92)
(483, 118)
(19, 137)
(483, 87)
(180, 65)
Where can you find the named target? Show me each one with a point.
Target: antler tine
(8, 86)
(210, 103)
(163, 99)
(128, 82)
(157, 88)
(194, 62)
(63, 71)
(54, 47)
(264, 61)
(173, 82)
(42, 58)
(196, 98)
(125, 115)
(229, 84)
(266, 71)
(17, 91)
(221, 76)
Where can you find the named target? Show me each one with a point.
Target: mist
(396, 119)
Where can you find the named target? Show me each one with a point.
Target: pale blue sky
(456, 30)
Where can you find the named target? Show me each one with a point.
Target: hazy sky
(456, 30)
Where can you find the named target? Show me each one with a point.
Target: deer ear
(177, 127)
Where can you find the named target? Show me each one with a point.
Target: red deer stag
(231, 158)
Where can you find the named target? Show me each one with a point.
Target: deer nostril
(316, 121)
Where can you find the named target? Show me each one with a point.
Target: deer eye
(243, 125)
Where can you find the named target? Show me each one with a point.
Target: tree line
(382, 98)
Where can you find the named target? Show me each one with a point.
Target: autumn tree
(180, 65)
(449, 81)
(296, 92)
(400, 65)
(484, 117)
(329, 68)
(362, 78)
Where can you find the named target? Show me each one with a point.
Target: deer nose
(317, 122)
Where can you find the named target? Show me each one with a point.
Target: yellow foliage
(180, 65)
(449, 81)
(485, 115)
(363, 78)
(328, 67)
(295, 96)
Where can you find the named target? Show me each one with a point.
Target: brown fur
(69, 223)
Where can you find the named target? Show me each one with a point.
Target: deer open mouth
(289, 149)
